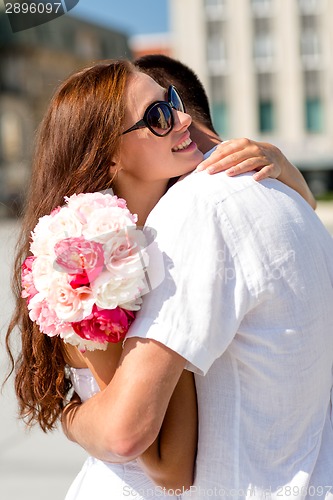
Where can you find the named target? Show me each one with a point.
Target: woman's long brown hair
(76, 141)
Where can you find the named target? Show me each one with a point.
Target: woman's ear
(113, 168)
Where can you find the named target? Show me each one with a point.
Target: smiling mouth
(182, 145)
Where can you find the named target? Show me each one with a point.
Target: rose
(53, 228)
(110, 291)
(28, 287)
(70, 304)
(84, 204)
(42, 271)
(102, 223)
(81, 258)
(125, 255)
(46, 318)
(50, 325)
(104, 325)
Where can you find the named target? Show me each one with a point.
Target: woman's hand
(170, 460)
(68, 414)
(238, 156)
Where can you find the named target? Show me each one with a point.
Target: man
(247, 304)
(233, 155)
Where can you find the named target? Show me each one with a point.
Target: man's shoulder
(197, 194)
(208, 187)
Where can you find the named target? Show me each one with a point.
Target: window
(314, 114)
(215, 8)
(265, 89)
(262, 8)
(220, 118)
(310, 42)
(86, 44)
(263, 47)
(263, 44)
(215, 3)
(309, 6)
(266, 116)
(13, 73)
(216, 46)
(314, 111)
(312, 83)
(310, 45)
(218, 87)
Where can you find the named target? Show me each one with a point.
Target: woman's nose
(182, 119)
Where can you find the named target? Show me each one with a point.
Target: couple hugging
(222, 387)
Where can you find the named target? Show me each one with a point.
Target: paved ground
(34, 466)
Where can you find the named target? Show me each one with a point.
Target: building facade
(32, 63)
(267, 65)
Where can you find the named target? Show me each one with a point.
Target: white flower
(53, 228)
(70, 304)
(43, 271)
(124, 254)
(111, 292)
(102, 224)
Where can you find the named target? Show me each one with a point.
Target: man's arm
(121, 422)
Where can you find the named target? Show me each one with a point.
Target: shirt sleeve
(198, 305)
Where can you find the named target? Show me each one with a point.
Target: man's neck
(203, 137)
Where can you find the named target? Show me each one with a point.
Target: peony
(81, 258)
(125, 255)
(53, 228)
(102, 224)
(70, 304)
(28, 287)
(104, 325)
(42, 270)
(111, 292)
(46, 318)
(84, 204)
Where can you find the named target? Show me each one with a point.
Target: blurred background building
(32, 63)
(267, 65)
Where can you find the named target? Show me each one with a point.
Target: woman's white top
(99, 480)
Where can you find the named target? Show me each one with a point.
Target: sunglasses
(158, 117)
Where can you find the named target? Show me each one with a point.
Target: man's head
(167, 71)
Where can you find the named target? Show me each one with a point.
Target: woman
(93, 137)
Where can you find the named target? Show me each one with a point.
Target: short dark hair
(168, 71)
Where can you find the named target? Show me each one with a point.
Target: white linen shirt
(248, 300)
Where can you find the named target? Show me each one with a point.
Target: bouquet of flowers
(86, 275)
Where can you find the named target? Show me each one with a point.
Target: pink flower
(28, 287)
(81, 258)
(55, 211)
(68, 303)
(46, 318)
(104, 325)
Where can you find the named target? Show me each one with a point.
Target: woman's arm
(237, 156)
(169, 461)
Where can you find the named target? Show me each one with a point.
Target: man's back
(250, 302)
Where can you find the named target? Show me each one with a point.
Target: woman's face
(145, 156)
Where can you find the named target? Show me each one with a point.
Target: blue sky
(132, 16)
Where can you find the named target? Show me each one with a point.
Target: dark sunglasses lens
(159, 118)
(175, 100)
